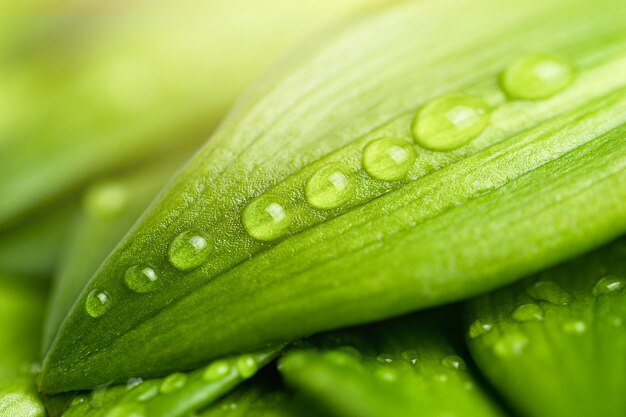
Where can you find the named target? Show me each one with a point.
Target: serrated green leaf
(21, 311)
(109, 209)
(523, 195)
(405, 367)
(554, 344)
(177, 395)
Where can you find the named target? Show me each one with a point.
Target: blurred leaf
(522, 195)
(554, 344)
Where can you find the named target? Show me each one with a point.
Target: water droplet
(267, 217)
(479, 328)
(549, 291)
(97, 396)
(247, 366)
(77, 400)
(386, 373)
(388, 159)
(133, 382)
(454, 362)
(330, 187)
(410, 356)
(576, 327)
(217, 370)
(144, 392)
(537, 76)
(141, 279)
(511, 344)
(173, 383)
(528, 312)
(385, 358)
(127, 410)
(97, 303)
(189, 250)
(106, 200)
(608, 285)
(449, 122)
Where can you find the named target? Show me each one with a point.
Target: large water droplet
(189, 250)
(576, 327)
(247, 365)
(528, 312)
(510, 344)
(127, 410)
(330, 187)
(479, 328)
(549, 291)
(388, 159)
(607, 285)
(537, 76)
(173, 383)
(217, 370)
(267, 217)
(449, 122)
(141, 279)
(97, 303)
(454, 362)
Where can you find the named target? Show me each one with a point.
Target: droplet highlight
(411, 356)
(454, 362)
(607, 285)
(511, 344)
(479, 328)
(449, 122)
(388, 159)
(330, 187)
(141, 279)
(385, 358)
(550, 292)
(267, 217)
(247, 366)
(217, 370)
(189, 250)
(173, 382)
(528, 312)
(97, 303)
(537, 76)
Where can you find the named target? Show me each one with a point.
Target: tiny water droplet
(607, 285)
(528, 312)
(449, 122)
(410, 356)
(77, 400)
(267, 217)
(330, 187)
(106, 200)
(189, 250)
(479, 328)
(576, 327)
(549, 291)
(97, 303)
(217, 370)
(537, 76)
(388, 159)
(127, 410)
(247, 366)
(511, 344)
(133, 382)
(173, 383)
(385, 358)
(386, 373)
(454, 362)
(141, 279)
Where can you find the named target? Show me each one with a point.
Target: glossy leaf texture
(21, 312)
(177, 395)
(521, 195)
(137, 91)
(109, 209)
(406, 367)
(554, 344)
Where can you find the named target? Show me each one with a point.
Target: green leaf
(176, 395)
(554, 344)
(140, 88)
(108, 211)
(406, 367)
(21, 311)
(522, 195)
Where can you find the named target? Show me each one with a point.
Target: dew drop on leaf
(479, 328)
(267, 217)
(537, 76)
(607, 285)
(217, 370)
(454, 362)
(189, 250)
(388, 159)
(247, 366)
(329, 187)
(528, 312)
(173, 383)
(549, 291)
(141, 279)
(97, 303)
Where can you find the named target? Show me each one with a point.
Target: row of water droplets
(513, 343)
(241, 367)
(443, 124)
